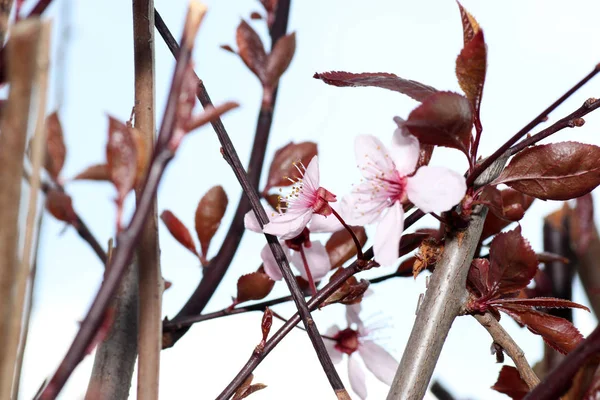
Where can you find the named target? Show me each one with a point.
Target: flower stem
(359, 251)
(311, 281)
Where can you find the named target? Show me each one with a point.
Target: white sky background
(536, 51)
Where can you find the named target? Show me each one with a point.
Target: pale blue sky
(536, 51)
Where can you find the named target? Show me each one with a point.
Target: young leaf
(444, 119)
(251, 49)
(510, 383)
(209, 213)
(477, 279)
(471, 65)
(265, 325)
(412, 89)
(406, 267)
(557, 332)
(55, 146)
(253, 286)
(470, 25)
(351, 291)
(97, 172)
(121, 157)
(556, 171)
(340, 246)
(279, 59)
(178, 230)
(513, 263)
(285, 161)
(542, 302)
(60, 205)
(513, 206)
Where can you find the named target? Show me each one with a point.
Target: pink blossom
(357, 342)
(314, 251)
(389, 183)
(306, 199)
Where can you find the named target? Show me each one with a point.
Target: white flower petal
(372, 157)
(251, 223)
(269, 263)
(320, 223)
(310, 180)
(317, 259)
(334, 354)
(352, 315)
(356, 375)
(364, 205)
(436, 189)
(387, 236)
(404, 151)
(288, 225)
(381, 363)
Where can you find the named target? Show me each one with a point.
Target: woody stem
(359, 253)
(311, 281)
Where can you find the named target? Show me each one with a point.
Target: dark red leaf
(556, 171)
(411, 241)
(406, 267)
(514, 205)
(470, 25)
(121, 157)
(546, 257)
(444, 119)
(59, 204)
(510, 383)
(340, 246)
(98, 172)
(557, 332)
(253, 286)
(471, 65)
(251, 49)
(412, 89)
(542, 302)
(512, 263)
(209, 214)
(425, 153)
(55, 146)
(279, 59)
(179, 231)
(477, 280)
(285, 163)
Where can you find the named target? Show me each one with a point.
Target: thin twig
(128, 238)
(323, 294)
(511, 348)
(439, 391)
(19, 117)
(527, 128)
(216, 269)
(150, 277)
(570, 121)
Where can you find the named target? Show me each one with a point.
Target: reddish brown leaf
(266, 323)
(510, 383)
(477, 280)
(279, 59)
(425, 153)
(470, 25)
(285, 162)
(557, 332)
(556, 171)
(512, 262)
(121, 157)
(428, 255)
(59, 204)
(351, 291)
(444, 119)
(97, 172)
(406, 267)
(471, 65)
(256, 15)
(253, 286)
(411, 241)
(246, 388)
(412, 89)
(179, 231)
(542, 302)
(546, 257)
(209, 213)
(251, 49)
(340, 246)
(513, 207)
(228, 48)
(55, 146)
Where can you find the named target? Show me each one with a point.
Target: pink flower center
(304, 195)
(395, 187)
(346, 341)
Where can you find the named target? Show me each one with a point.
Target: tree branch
(536, 121)
(128, 239)
(27, 57)
(502, 337)
(215, 271)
